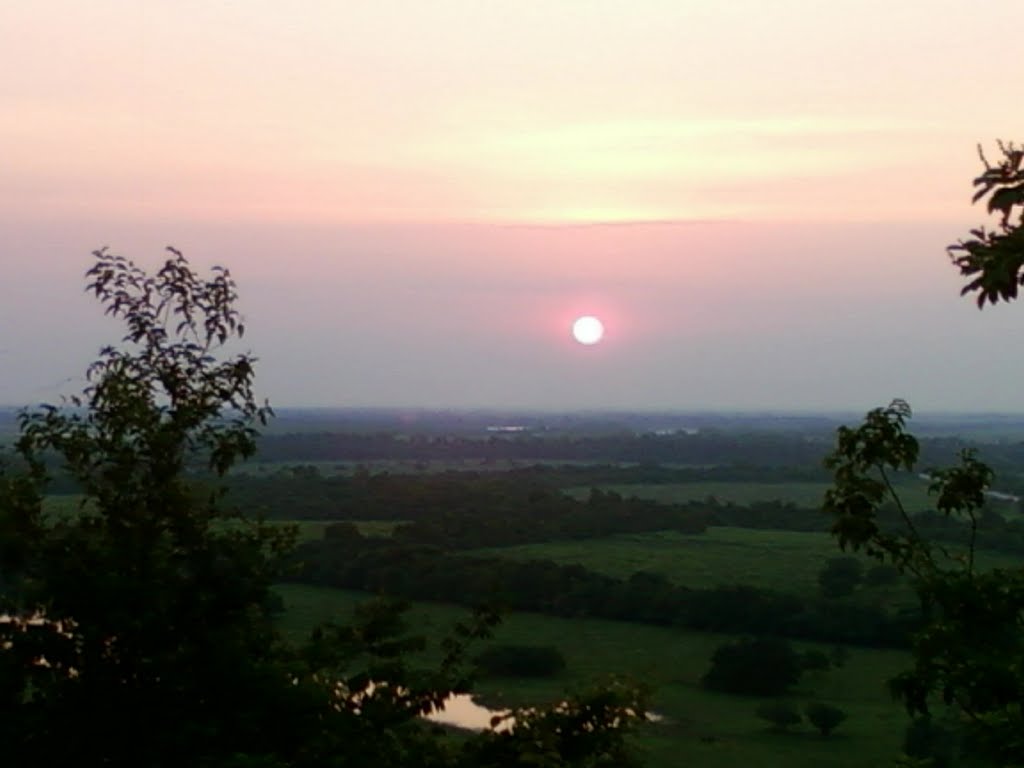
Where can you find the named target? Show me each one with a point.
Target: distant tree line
(759, 449)
(466, 510)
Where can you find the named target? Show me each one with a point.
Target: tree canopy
(969, 655)
(993, 258)
(762, 666)
(139, 631)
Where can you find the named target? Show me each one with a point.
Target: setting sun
(588, 330)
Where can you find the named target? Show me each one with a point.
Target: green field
(700, 729)
(787, 561)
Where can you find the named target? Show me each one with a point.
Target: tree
(993, 259)
(141, 604)
(781, 714)
(840, 577)
(139, 631)
(970, 650)
(825, 717)
(764, 666)
(969, 653)
(521, 661)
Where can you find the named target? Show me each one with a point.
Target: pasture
(784, 561)
(700, 729)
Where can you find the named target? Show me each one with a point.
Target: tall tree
(970, 650)
(138, 632)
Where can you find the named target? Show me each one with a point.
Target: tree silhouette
(138, 630)
(970, 652)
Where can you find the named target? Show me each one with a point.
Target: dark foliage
(763, 666)
(419, 572)
(765, 449)
(520, 661)
(939, 743)
(840, 577)
(139, 631)
(825, 717)
(993, 259)
(969, 653)
(781, 714)
(969, 649)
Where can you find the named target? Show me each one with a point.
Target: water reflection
(461, 711)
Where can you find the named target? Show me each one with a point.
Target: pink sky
(419, 197)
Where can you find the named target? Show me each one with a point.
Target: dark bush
(840, 577)
(521, 661)
(825, 717)
(764, 666)
(781, 714)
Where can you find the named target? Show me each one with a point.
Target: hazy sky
(417, 198)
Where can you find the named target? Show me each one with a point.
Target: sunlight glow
(588, 330)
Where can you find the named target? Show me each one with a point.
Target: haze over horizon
(418, 199)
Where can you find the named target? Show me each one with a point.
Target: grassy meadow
(702, 729)
(787, 561)
(784, 561)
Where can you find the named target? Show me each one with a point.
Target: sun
(587, 330)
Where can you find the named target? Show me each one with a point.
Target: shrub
(825, 717)
(521, 661)
(840, 577)
(781, 714)
(764, 666)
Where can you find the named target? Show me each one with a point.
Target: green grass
(786, 561)
(700, 729)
